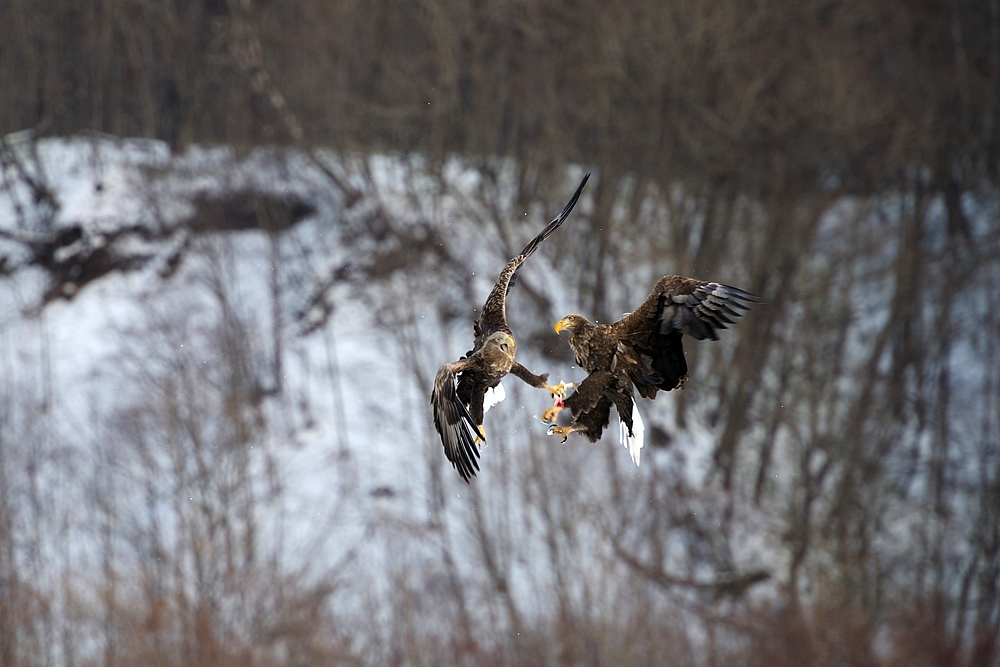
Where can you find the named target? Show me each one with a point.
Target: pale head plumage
(500, 345)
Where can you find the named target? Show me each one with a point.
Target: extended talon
(559, 390)
(550, 415)
(481, 437)
(564, 431)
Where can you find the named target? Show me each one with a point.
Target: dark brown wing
(657, 362)
(651, 335)
(693, 307)
(453, 422)
(494, 315)
(472, 386)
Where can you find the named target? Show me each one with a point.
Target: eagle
(465, 389)
(642, 350)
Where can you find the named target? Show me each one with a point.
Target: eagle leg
(564, 431)
(481, 435)
(550, 415)
(558, 390)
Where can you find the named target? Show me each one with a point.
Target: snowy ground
(350, 434)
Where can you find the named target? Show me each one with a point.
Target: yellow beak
(562, 324)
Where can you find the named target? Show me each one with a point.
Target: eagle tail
(493, 396)
(632, 441)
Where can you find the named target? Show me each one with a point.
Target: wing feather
(453, 422)
(701, 313)
(696, 308)
(676, 306)
(494, 315)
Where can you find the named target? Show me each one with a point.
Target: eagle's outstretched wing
(695, 308)
(453, 422)
(494, 315)
(650, 336)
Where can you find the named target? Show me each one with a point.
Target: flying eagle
(465, 389)
(642, 349)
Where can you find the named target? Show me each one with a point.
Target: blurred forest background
(839, 158)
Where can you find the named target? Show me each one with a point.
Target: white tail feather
(632, 443)
(493, 396)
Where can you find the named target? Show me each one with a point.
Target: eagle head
(503, 343)
(571, 322)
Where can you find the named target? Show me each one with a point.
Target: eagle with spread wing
(465, 389)
(644, 350)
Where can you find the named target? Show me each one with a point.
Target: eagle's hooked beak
(507, 345)
(562, 324)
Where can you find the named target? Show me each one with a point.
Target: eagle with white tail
(644, 350)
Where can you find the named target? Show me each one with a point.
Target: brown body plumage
(643, 349)
(460, 387)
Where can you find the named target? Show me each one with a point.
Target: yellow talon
(564, 431)
(482, 435)
(550, 415)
